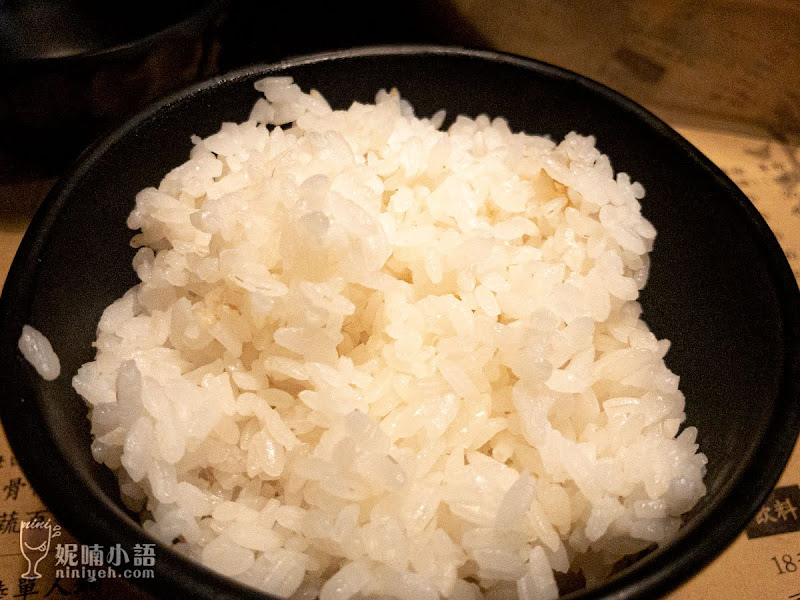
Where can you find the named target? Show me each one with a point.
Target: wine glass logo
(34, 542)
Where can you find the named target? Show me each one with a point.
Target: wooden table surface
(767, 170)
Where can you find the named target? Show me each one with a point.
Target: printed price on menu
(786, 563)
(780, 515)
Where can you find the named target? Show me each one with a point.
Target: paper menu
(729, 62)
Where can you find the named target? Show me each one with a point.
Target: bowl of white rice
(415, 323)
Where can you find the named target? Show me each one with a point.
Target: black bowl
(720, 288)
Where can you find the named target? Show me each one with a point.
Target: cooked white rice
(368, 357)
(38, 351)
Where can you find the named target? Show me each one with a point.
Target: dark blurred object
(73, 68)
(257, 31)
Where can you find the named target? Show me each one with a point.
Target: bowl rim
(50, 473)
(193, 23)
